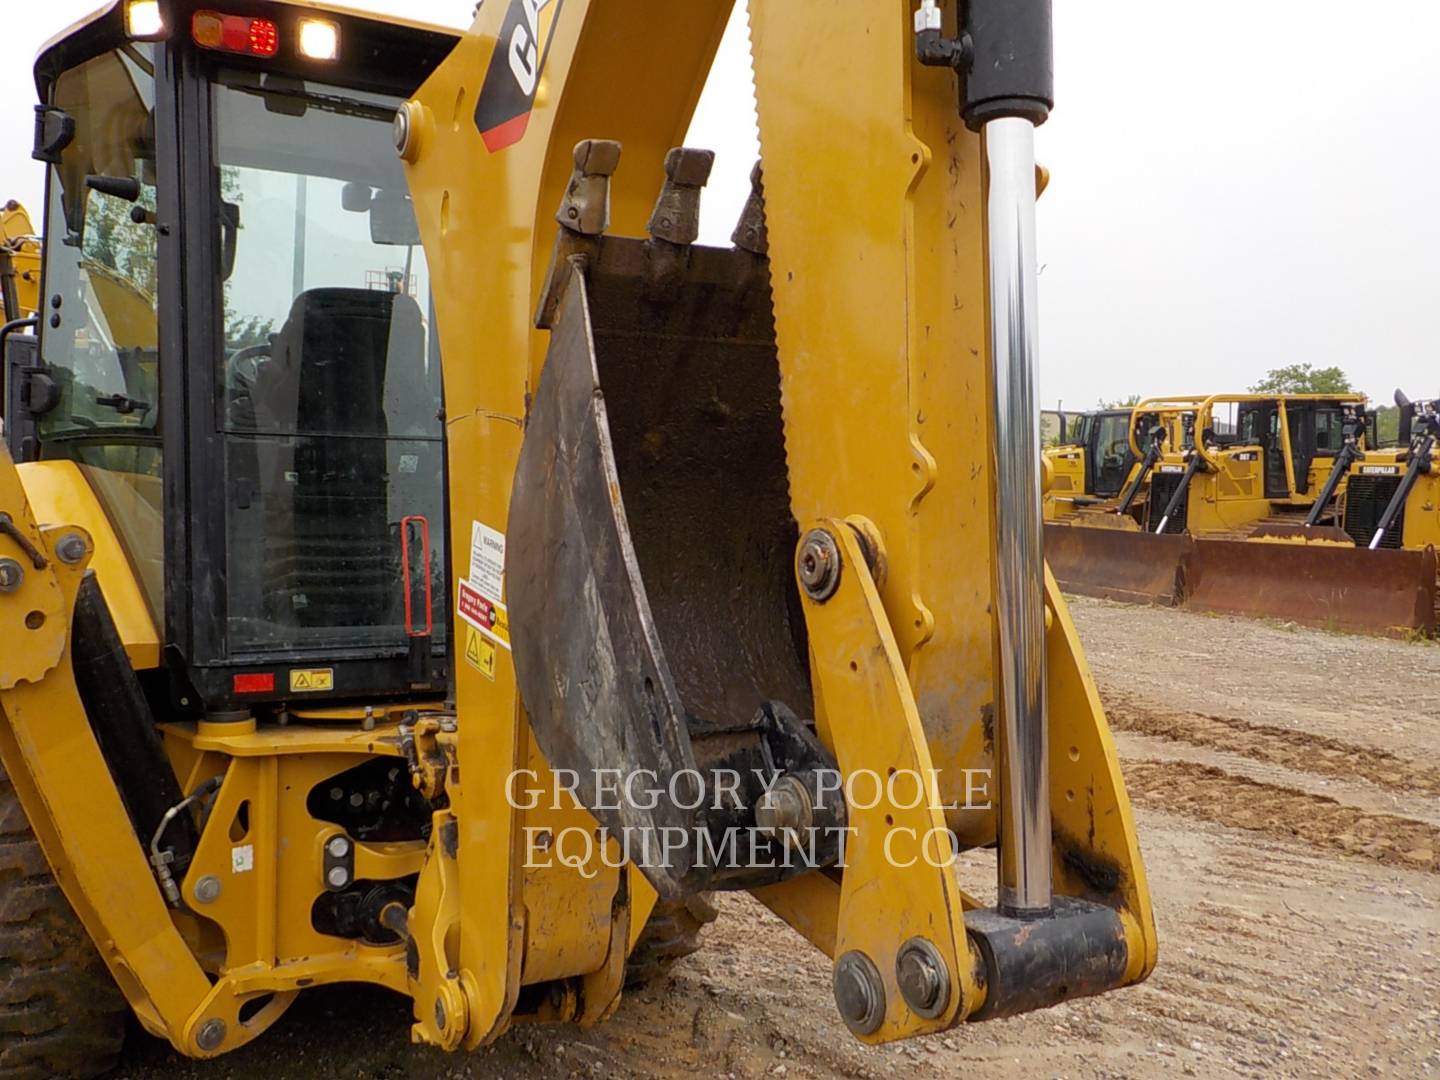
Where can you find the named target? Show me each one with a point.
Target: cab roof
(105, 28)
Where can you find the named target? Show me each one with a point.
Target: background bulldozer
(429, 569)
(1091, 461)
(1214, 510)
(1392, 494)
(1100, 473)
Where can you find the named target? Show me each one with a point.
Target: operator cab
(238, 347)
(1314, 430)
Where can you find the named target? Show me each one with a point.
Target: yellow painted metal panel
(59, 493)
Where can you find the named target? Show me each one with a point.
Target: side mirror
(54, 131)
(392, 220)
(356, 198)
(284, 95)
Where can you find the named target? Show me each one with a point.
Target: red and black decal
(507, 96)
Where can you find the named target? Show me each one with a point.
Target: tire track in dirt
(1301, 751)
(1202, 791)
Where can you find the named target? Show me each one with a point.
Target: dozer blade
(653, 609)
(1340, 588)
(1115, 564)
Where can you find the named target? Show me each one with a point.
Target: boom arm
(872, 189)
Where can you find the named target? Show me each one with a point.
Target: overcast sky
(1235, 188)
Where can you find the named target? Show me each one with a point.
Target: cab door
(1111, 454)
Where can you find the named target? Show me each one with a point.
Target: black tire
(672, 934)
(61, 1013)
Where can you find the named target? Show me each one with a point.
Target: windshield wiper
(123, 405)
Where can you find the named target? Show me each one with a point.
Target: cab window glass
(329, 368)
(100, 334)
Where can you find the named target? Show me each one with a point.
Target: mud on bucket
(654, 612)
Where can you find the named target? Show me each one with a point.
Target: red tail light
(259, 683)
(235, 34)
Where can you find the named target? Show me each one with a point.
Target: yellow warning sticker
(311, 680)
(479, 653)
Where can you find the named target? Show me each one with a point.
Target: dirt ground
(1287, 785)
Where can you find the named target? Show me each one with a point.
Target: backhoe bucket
(1340, 588)
(653, 608)
(1116, 564)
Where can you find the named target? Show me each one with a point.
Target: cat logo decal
(507, 96)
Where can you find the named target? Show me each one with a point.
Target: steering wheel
(242, 372)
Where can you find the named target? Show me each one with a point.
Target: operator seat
(347, 375)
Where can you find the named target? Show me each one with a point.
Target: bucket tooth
(675, 224)
(676, 219)
(750, 232)
(586, 206)
(584, 215)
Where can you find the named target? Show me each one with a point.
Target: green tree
(1304, 379)
(1129, 403)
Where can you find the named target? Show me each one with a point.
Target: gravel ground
(1288, 799)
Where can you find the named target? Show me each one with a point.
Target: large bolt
(786, 811)
(211, 1034)
(859, 993)
(207, 889)
(12, 575)
(923, 978)
(818, 565)
(338, 847)
(338, 877)
(71, 548)
(400, 130)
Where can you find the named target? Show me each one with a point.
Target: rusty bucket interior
(653, 606)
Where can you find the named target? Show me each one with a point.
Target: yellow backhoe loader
(1262, 469)
(450, 568)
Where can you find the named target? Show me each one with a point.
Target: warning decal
(479, 653)
(484, 614)
(487, 561)
(311, 680)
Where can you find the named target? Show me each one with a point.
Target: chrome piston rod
(1022, 734)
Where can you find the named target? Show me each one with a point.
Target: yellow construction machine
(1099, 473)
(1259, 460)
(429, 570)
(1090, 462)
(1262, 469)
(19, 263)
(1392, 494)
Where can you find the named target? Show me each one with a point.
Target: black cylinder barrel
(1012, 73)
